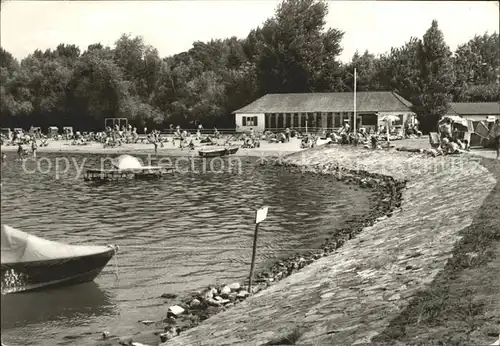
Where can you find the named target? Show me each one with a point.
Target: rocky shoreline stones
(188, 312)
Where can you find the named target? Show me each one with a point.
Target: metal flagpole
(355, 117)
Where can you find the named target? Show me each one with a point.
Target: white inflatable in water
(127, 162)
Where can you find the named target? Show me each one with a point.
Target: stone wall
(350, 296)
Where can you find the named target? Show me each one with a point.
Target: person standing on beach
(445, 129)
(33, 147)
(495, 133)
(20, 151)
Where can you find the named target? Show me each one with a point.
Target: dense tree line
(290, 52)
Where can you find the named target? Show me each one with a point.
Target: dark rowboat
(215, 152)
(32, 263)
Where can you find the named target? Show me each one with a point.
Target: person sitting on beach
(335, 137)
(374, 141)
(287, 134)
(282, 138)
(461, 145)
(304, 143)
(449, 147)
(416, 131)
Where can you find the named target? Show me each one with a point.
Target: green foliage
(477, 67)
(436, 78)
(291, 52)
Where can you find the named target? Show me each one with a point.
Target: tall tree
(294, 53)
(399, 71)
(477, 66)
(367, 67)
(436, 78)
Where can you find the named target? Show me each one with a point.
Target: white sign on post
(261, 214)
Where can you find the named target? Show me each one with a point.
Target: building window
(329, 120)
(295, 120)
(369, 119)
(249, 121)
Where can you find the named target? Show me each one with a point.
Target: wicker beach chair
(434, 139)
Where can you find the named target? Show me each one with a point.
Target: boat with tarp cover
(31, 263)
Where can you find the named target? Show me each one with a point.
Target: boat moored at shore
(216, 152)
(32, 263)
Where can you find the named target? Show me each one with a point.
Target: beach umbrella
(388, 119)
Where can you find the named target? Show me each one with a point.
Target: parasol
(388, 119)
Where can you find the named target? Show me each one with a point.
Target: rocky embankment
(350, 290)
(187, 312)
(358, 284)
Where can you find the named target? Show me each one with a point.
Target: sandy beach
(266, 149)
(62, 146)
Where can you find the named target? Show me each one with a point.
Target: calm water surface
(177, 234)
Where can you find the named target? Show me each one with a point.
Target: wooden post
(260, 216)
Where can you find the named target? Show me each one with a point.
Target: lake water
(177, 234)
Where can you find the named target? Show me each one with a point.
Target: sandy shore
(266, 149)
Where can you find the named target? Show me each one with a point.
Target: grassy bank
(462, 305)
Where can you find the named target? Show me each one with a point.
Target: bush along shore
(188, 311)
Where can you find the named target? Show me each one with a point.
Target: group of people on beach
(450, 143)
(367, 137)
(23, 153)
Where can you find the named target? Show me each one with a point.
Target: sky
(172, 26)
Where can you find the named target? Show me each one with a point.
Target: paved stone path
(349, 297)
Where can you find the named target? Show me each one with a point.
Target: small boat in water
(215, 152)
(126, 167)
(31, 263)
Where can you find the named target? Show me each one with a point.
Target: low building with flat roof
(321, 111)
(476, 111)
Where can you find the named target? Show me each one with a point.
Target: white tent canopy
(455, 119)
